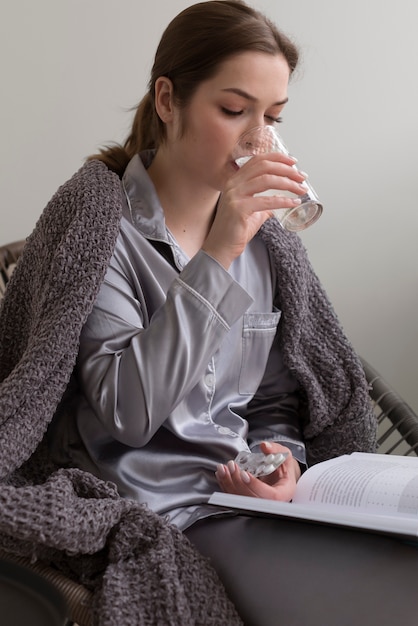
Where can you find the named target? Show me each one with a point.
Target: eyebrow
(248, 96)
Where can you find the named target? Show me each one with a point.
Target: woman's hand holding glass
(241, 211)
(266, 139)
(279, 485)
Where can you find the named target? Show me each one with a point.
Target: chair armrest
(77, 597)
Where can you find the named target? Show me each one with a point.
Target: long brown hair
(190, 51)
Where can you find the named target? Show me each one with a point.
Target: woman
(188, 279)
(210, 333)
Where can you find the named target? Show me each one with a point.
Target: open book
(377, 492)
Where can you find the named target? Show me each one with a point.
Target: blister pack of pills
(258, 463)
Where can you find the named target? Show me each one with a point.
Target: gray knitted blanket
(142, 569)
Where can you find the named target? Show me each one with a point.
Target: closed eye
(270, 118)
(229, 112)
(275, 120)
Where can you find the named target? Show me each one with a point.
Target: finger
(275, 157)
(281, 490)
(222, 476)
(244, 483)
(228, 477)
(234, 480)
(274, 164)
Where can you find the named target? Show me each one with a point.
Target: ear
(164, 98)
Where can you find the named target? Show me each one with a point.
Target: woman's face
(250, 89)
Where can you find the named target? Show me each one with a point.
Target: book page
(370, 483)
(399, 526)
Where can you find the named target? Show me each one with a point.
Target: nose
(256, 121)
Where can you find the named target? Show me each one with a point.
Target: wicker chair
(9, 255)
(398, 423)
(398, 434)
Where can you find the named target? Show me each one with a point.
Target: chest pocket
(258, 333)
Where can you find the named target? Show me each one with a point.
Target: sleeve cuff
(210, 281)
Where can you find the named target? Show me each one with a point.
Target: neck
(189, 207)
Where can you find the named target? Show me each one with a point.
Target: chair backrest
(398, 422)
(9, 255)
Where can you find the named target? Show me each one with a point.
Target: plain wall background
(72, 69)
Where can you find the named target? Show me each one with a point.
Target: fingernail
(220, 471)
(245, 477)
(231, 466)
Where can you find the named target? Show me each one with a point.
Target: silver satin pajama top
(179, 366)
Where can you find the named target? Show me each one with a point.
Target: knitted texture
(338, 418)
(142, 569)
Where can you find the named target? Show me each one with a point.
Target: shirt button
(222, 430)
(209, 380)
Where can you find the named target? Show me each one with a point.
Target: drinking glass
(263, 139)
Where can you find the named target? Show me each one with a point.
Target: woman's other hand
(279, 485)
